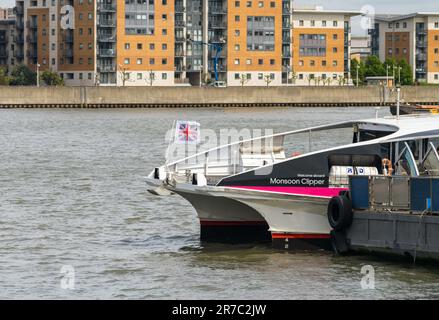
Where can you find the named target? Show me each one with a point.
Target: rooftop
(397, 17)
(319, 9)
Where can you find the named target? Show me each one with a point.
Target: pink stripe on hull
(304, 191)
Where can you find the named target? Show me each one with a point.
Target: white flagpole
(171, 140)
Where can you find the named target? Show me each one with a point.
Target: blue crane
(217, 47)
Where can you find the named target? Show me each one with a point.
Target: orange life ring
(387, 165)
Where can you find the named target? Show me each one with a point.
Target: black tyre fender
(340, 212)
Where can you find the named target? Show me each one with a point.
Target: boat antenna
(398, 101)
(377, 110)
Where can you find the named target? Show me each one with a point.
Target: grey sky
(381, 6)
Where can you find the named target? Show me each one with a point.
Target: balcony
(179, 53)
(32, 54)
(106, 38)
(32, 39)
(19, 39)
(68, 38)
(19, 11)
(180, 39)
(107, 53)
(421, 44)
(217, 39)
(180, 68)
(421, 57)
(32, 25)
(107, 23)
(106, 8)
(107, 68)
(19, 54)
(19, 25)
(180, 9)
(68, 53)
(217, 10)
(218, 25)
(180, 24)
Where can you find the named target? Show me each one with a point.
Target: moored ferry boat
(282, 183)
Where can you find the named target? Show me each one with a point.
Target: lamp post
(201, 74)
(38, 74)
(358, 68)
(399, 75)
(394, 68)
(387, 75)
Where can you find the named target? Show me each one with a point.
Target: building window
(139, 61)
(260, 33)
(312, 45)
(236, 61)
(126, 61)
(237, 18)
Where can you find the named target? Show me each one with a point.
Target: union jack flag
(187, 132)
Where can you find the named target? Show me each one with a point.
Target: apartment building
(321, 46)
(7, 44)
(182, 42)
(413, 37)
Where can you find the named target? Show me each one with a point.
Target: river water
(77, 222)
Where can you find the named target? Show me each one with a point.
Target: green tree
(406, 73)
(374, 67)
(361, 71)
(52, 78)
(23, 76)
(4, 79)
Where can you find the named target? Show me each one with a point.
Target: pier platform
(392, 215)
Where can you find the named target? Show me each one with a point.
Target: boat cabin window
(367, 132)
(430, 163)
(405, 162)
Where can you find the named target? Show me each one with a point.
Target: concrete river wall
(107, 97)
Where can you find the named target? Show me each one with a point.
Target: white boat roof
(408, 127)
